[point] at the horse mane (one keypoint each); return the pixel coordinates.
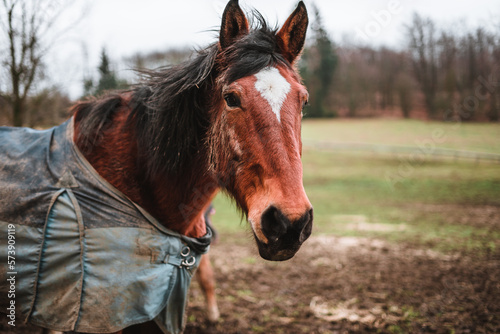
(170, 108)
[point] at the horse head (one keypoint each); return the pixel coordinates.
(255, 142)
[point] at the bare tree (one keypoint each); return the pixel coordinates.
(422, 46)
(390, 64)
(448, 76)
(25, 26)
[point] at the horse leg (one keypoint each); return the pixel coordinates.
(206, 279)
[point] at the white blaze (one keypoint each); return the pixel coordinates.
(273, 88)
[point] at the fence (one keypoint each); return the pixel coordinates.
(434, 152)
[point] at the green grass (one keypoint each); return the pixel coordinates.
(227, 219)
(426, 203)
(481, 137)
(352, 196)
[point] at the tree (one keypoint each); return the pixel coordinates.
(318, 68)
(156, 59)
(478, 64)
(107, 78)
(24, 25)
(422, 47)
(53, 101)
(405, 93)
(390, 65)
(447, 56)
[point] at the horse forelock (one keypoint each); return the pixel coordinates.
(252, 53)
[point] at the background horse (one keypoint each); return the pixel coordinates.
(229, 118)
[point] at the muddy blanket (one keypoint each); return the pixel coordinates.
(76, 253)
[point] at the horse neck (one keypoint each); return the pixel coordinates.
(176, 201)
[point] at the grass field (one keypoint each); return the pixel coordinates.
(400, 244)
(448, 205)
(480, 137)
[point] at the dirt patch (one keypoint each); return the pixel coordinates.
(351, 285)
(346, 285)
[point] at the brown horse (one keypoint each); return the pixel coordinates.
(229, 118)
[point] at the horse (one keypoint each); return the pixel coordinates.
(228, 119)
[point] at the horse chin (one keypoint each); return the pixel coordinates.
(273, 251)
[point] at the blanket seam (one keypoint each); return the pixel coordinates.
(81, 233)
(40, 251)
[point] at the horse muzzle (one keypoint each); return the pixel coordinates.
(284, 236)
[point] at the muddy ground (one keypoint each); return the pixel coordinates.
(347, 285)
(351, 285)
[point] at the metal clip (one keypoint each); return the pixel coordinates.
(185, 251)
(189, 261)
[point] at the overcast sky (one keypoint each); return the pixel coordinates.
(125, 27)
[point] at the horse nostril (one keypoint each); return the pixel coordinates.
(306, 228)
(274, 223)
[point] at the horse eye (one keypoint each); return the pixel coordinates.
(232, 100)
(305, 104)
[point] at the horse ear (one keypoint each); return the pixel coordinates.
(292, 35)
(234, 24)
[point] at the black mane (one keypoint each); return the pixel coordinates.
(169, 112)
(171, 107)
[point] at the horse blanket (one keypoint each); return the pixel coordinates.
(77, 254)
